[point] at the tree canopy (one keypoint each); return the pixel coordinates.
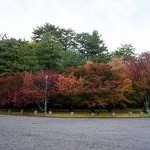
(79, 67)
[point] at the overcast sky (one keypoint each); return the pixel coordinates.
(118, 21)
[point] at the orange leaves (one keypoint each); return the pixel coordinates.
(101, 83)
(127, 86)
(119, 68)
(122, 75)
(70, 85)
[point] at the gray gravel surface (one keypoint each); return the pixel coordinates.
(35, 133)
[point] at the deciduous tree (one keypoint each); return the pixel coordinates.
(102, 85)
(140, 76)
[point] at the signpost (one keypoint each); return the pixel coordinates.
(45, 102)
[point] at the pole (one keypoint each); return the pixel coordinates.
(45, 102)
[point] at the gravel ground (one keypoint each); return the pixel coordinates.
(35, 133)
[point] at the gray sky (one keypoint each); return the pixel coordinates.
(118, 21)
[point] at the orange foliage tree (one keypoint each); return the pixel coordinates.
(70, 86)
(102, 85)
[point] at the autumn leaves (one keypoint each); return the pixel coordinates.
(118, 82)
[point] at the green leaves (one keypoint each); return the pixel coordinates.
(92, 47)
(126, 51)
(16, 56)
(48, 53)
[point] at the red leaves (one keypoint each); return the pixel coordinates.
(102, 84)
(25, 88)
(34, 85)
(140, 74)
(10, 88)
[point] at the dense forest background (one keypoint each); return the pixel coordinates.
(72, 70)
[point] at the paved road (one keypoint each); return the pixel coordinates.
(33, 133)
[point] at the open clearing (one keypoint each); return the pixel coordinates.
(37, 133)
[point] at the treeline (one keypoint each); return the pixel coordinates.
(80, 71)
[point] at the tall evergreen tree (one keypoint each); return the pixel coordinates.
(16, 56)
(93, 47)
(126, 51)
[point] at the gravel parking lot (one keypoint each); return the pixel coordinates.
(35, 133)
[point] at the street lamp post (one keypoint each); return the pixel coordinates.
(45, 102)
(146, 101)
